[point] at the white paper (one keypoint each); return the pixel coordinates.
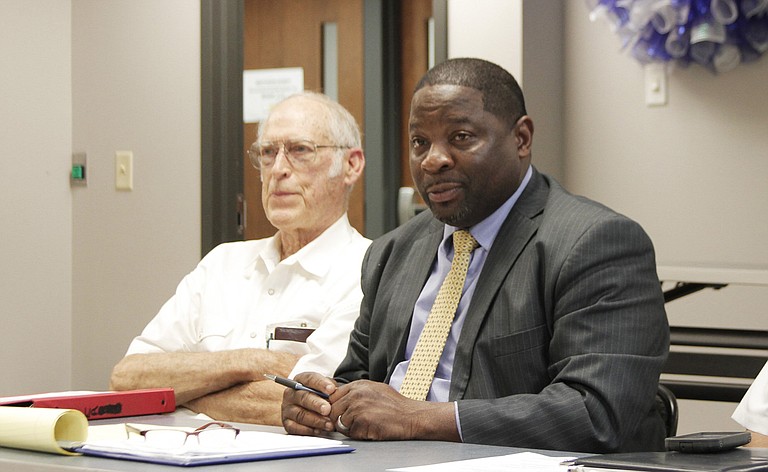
(520, 462)
(263, 88)
(114, 439)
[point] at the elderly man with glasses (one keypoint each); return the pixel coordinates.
(279, 305)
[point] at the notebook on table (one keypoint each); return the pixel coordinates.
(735, 460)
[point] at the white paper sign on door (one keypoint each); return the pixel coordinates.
(263, 88)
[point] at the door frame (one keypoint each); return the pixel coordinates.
(221, 123)
(221, 129)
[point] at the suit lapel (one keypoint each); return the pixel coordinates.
(514, 235)
(419, 257)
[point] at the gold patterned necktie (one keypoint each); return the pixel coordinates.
(429, 347)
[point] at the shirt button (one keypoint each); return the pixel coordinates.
(271, 291)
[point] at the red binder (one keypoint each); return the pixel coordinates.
(98, 405)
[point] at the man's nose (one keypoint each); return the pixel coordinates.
(437, 159)
(282, 163)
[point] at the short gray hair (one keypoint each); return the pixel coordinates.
(338, 123)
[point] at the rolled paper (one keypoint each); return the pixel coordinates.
(664, 18)
(42, 429)
(651, 49)
(683, 10)
(640, 13)
(756, 34)
(726, 58)
(702, 52)
(751, 8)
(677, 42)
(724, 11)
(706, 29)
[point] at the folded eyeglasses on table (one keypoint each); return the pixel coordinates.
(214, 433)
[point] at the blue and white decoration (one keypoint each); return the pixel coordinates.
(716, 34)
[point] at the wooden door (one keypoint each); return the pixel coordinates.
(288, 33)
(414, 62)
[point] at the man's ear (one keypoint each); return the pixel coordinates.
(524, 136)
(354, 165)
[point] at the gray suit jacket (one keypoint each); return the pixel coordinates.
(564, 338)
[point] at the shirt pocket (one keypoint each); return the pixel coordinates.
(214, 335)
(298, 348)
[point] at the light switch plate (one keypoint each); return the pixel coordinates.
(124, 170)
(655, 84)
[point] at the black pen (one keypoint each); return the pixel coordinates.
(295, 385)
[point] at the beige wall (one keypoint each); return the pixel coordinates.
(136, 86)
(35, 201)
(84, 269)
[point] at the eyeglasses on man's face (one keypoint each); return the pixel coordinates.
(212, 434)
(300, 153)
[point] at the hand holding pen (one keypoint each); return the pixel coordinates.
(295, 385)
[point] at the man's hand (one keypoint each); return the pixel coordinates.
(305, 413)
(375, 411)
(251, 402)
(365, 410)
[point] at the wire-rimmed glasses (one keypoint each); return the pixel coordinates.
(213, 434)
(300, 153)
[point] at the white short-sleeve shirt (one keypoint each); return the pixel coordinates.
(752, 412)
(241, 291)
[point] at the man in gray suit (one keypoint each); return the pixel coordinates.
(560, 334)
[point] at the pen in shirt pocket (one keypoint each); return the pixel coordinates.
(295, 385)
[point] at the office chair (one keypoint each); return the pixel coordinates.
(666, 403)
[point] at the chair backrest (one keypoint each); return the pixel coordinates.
(666, 403)
(407, 204)
(713, 364)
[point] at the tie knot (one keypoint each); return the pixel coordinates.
(463, 242)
